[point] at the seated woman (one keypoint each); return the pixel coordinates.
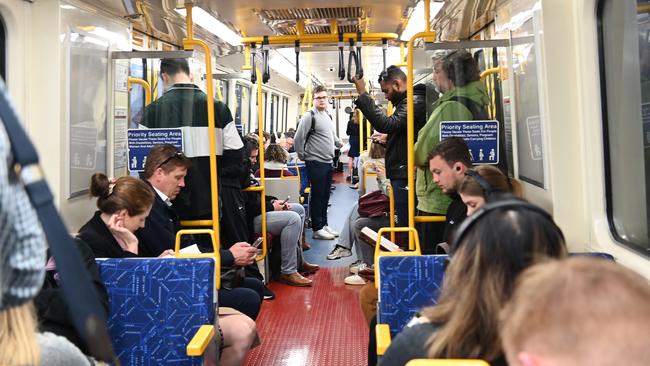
(123, 208)
(275, 162)
(482, 183)
(494, 247)
(370, 160)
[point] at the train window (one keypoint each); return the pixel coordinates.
(242, 104)
(285, 111)
(274, 112)
(266, 98)
(624, 50)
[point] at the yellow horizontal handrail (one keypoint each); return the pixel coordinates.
(215, 247)
(343, 96)
(200, 341)
(145, 85)
(433, 218)
(319, 38)
(379, 252)
(196, 223)
(488, 72)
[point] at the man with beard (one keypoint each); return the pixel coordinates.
(393, 85)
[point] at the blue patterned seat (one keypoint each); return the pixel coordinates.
(157, 305)
(406, 285)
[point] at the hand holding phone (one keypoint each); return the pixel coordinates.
(258, 242)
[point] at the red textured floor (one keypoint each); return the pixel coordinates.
(339, 177)
(317, 326)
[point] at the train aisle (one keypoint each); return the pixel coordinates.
(320, 325)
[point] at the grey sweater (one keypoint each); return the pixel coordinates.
(58, 351)
(320, 146)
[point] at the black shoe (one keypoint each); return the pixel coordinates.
(348, 178)
(332, 187)
(355, 180)
(268, 294)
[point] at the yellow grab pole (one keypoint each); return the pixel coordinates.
(260, 158)
(391, 206)
(410, 133)
(145, 85)
(427, 15)
(401, 62)
(215, 248)
(189, 43)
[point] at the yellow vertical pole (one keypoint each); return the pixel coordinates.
(145, 85)
(260, 157)
(189, 43)
(410, 133)
(427, 15)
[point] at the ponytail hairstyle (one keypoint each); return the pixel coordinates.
(492, 180)
(127, 192)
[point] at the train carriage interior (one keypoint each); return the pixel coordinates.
(366, 144)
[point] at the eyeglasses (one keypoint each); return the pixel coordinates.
(321, 98)
(177, 155)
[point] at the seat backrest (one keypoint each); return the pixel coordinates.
(283, 187)
(156, 307)
(406, 285)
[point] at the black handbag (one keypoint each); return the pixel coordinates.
(232, 277)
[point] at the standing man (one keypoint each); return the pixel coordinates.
(185, 105)
(393, 85)
(456, 75)
(315, 142)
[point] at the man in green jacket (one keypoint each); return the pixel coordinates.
(456, 75)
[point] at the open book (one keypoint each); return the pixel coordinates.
(370, 236)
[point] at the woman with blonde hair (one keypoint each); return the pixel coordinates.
(493, 247)
(275, 162)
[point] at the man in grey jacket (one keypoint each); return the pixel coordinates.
(315, 141)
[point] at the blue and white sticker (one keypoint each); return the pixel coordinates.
(142, 140)
(481, 137)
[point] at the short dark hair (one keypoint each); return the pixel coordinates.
(460, 67)
(166, 157)
(452, 150)
(318, 89)
(392, 73)
(172, 66)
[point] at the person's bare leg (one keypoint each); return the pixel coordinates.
(238, 336)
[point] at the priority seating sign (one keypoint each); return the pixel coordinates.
(481, 137)
(140, 141)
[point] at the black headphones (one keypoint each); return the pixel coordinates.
(482, 182)
(507, 203)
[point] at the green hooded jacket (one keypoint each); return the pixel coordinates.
(430, 196)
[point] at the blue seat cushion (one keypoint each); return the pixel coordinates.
(406, 285)
(156, 307)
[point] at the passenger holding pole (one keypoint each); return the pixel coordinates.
(393, 85)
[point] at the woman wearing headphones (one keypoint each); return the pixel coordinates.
(481, 182)
(494, 245)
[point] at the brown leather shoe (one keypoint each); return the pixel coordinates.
(309, 268)
(295, 279)
(305, 246)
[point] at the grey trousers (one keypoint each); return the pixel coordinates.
(351, 233)
(288, 225)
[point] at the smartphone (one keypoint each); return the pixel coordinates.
(258, 242)
(285, 200)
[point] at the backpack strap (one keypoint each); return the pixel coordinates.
(312, 129)
(84, 307)
(478, 110)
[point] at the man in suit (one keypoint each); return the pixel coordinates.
(165, 171)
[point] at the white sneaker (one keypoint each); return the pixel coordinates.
(354, 280)
(354, 267)
(330, 230)
(339, 252)
(323, 234)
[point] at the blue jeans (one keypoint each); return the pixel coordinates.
(320, 178)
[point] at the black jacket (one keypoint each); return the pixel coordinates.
(395, 127)
(95, 233)
(52, 308)
(159, 232)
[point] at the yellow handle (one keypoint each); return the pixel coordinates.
(200, 341)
